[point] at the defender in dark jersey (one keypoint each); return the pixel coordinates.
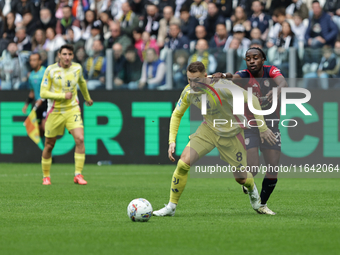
(262, 78)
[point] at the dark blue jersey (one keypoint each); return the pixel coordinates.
(261, 87)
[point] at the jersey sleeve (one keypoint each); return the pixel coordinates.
(82, 86)
(243, 73)
(274, 72)
(45, 87)
(182, 105)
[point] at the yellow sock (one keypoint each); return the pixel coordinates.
(179, 180)
(249, 184)
(46, 166)
(79, 160)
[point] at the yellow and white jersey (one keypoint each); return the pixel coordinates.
(215, 110)
(57, 81)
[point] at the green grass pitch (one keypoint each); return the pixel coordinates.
(213, 216)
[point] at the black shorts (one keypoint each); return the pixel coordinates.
(253, 139)
(41, 111)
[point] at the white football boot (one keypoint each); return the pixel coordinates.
(265, 210)
(165, 211)
(255, 199)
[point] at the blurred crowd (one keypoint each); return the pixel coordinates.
(141, 34)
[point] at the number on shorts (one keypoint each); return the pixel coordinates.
(77, 117)
(239, 156)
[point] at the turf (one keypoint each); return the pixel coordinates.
(213, 217)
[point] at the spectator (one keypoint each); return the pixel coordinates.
(28, 23)
(255, 33)
(80, 56)
(321, 29)
(202, 55)
(129, 20)
(137, 37)
(225, 7)
(22, 40)
(13, 69)
(147, 42)
(188, 22)
(9, 27)
(95, 35)
(105, 18)
(180, 69)
(53, 41)
(212, 20)
(67, 21)
(240, 18)
(279, 54)
(337, 53)
(117, 37)
(90, 18)
(153, 71)
(39, 40)
(298, 28)
(297, 6)
(138, 7)
(332, 7)
(280, 16)
(116, 9)
(176, 39)
(259, 19)
(220, 37)
(46, 19)
(200, 33)
(199, 9)
(23, 6)
(118, 65)
(74, 38)
(6, 7)
(275, 4)
(166, 3)
(239, 33)
(95, 67)
(51, 5)
(100, 6)
(151, 20)
(164, 24)
(133, 68)
(327, 68)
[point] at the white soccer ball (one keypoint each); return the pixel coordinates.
(139, 209)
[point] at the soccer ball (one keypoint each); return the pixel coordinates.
(139, 209)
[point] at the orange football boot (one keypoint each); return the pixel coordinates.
(79, 179)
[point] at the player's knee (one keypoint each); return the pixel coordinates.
(79, 140)
(186, 159)
(49, 146)
(241, 180)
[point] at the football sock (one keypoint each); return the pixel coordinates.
(249, 184)
(79, 160)
(179, 180)
(268, 185)
(46, 166)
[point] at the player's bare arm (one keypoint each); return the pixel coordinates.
(280, 81)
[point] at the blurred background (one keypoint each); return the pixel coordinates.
(128, 48)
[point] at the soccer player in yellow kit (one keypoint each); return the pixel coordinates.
(229, 139)
(59, 87)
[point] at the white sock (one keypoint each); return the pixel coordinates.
(172, 205)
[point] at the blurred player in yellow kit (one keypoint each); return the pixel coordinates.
(59, 87)
(229, 139)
